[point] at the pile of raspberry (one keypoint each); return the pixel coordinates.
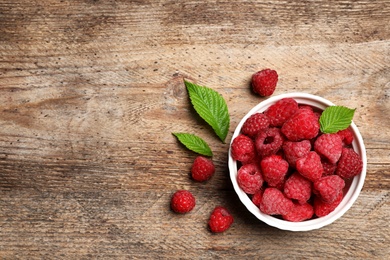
(288, 167)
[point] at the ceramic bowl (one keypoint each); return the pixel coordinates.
(352, 187)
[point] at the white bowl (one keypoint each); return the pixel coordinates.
(352, 188)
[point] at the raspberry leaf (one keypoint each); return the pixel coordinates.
(210, 106)
(194, 143)
(335, 118)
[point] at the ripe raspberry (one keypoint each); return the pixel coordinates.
(275, 203)
(299, 212)
(268, 142)
(274, 169)
(329, 187)
(255, 124)
(182, 201)
(282, 110)
(310, 166)
(350, 164)
(220, 219)
(243, 149)
(322, 208)
(257, 197)
(264, 82)
(295, 150)
(329, 168)
(249, 178)
(202, 169)
(346, 136)
(298, 188)
(302, 125)
(329, 146)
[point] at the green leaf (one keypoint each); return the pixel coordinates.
(210, 106)
(194, 143)
(336, 118)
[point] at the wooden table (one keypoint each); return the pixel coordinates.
(90, 92)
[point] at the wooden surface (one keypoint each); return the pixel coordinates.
(90, 92)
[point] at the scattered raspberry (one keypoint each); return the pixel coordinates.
(282, 110)
(255, 124)
(182, 201)
(243, 149)
(350, 164)
(274, 169)
(264, 82)
(249, 178)
(302, 125)
(257, 197)
(346, 136)
(295, 150)
(220, 220)
(202, 169)
(329, 187)
(310, 166)
(275, 203)
(298, 188)
(299, 212)
(329, 146)
(322, 208)
(268, 142)
(329, 168)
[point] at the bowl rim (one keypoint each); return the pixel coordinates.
(350, 196)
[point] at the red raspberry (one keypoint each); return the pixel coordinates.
(243, 149)
(329, 187)
(274, 169)
(298, 188)
(282, 110)
(329, 168)
(346, 135)
(322, 208)
(295, 150)
(350, 164)
(302, 125)
(275, 203)
(299, 212)
(268, 142)
(310, 166)
(257, 197)
(182, 201)
(264, 82)
(202, 169)
(255, 124)
(220, 219)
(329, 146)
(249, 178)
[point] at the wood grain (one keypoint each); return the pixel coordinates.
(91, 90)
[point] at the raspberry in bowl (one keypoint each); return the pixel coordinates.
(290, 174)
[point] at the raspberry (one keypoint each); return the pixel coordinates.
(255, 124)
(322, 208)
(268, 142)
(220, 219)
(275, 203)
(329, 146)
(302, 125)
(202, 169)
(329, 187)
(295, 150)
(350, 164)
(257, 197)
(298, 188)
(243, 149)
(329, 168)
(274, 169)
(264, 82)
(310, 166)
(299, 212)
(182, 201)
(346, 136)
(282, 110)
(249, 178)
